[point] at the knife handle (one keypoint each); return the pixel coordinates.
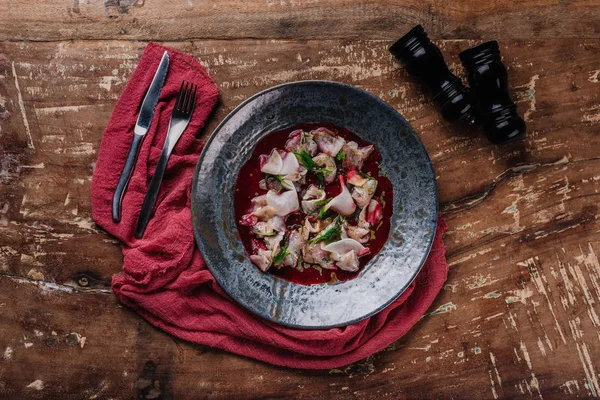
(152, 193)
(125, 176)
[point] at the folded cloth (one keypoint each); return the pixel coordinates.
(164, 277)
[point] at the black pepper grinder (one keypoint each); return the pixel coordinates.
(489, 82)
(425, 61)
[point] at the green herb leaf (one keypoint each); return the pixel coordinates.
(278, 259)
(340, 156)
(320, 203)
(322, 212)
(267, 234)
(279, 178)
(331, 234)
(306, 160)
(282, 181)
(366, 176)
(303, 136)
(321, 179)
(323, 171)
(318, 268)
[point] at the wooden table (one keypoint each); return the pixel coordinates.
(519, 316)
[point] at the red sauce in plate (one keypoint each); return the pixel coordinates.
(246, 188)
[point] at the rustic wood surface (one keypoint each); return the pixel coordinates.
(519, 315)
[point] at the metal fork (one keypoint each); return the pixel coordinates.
(180, 117)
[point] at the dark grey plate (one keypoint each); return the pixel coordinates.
(404, 159)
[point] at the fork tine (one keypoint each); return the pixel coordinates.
(179, 96)
(192, 100)
(188, 95)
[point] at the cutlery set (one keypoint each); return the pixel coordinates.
(180, 118)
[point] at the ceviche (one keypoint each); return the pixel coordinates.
(312, 204)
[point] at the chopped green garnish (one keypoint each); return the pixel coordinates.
(278, 259)
(282, 181)
(279, 178)
(318, 268)
(340, 156)
(322, 212)
(320, 203)
(306, 160)
(300, 263)
(366, 176)
(267, 234)
(303, 136)
(323, 171)
(321, 179)
(331, 234)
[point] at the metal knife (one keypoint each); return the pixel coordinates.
(141, 127)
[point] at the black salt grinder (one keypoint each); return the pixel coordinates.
(488, 81)
(424, 60)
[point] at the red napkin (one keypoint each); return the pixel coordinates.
(164, 277)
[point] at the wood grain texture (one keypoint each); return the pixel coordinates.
(295, 19)
(518, 317)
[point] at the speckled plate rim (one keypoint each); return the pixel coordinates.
(382, 103)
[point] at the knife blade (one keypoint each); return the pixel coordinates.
(141, 128)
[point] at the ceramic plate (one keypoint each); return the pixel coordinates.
(404, 160)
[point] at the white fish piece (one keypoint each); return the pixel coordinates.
(271, 227)
(296, 241)
(263, 229)
(265, 212)
(259, 211)
(279, 163)
(298, 176)
(271, 164)
(325, 161)
(300, 141)
(309, 228)
(345, 253)
(284, 203)
(295, 244)
(348, 262)
(262, 259)
(361, 235)
(344, 246)
(258, 201)
(311, 197)
(327, 141)
(354, 157)
(342, 203)
(362, 195)
(290, 164)
(314, 254)
(278, 224)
